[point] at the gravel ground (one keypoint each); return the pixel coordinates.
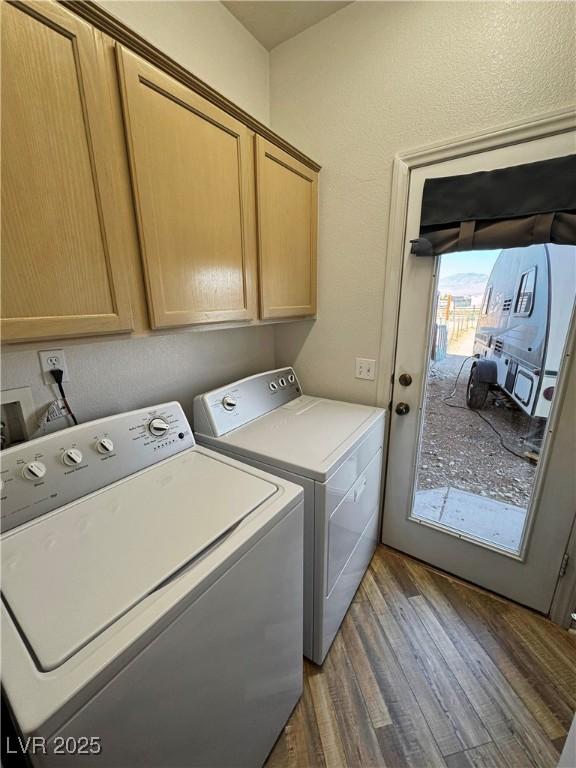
(460, 450)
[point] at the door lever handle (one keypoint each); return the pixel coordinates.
(402, 409)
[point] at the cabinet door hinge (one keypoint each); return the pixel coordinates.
(564, 564)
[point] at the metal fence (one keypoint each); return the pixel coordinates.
(453, 319)
(457, 318)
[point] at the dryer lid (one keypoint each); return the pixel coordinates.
(69, 575)
(308, 435)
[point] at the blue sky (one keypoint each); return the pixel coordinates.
(468, 261)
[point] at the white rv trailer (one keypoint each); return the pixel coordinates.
(523, 325)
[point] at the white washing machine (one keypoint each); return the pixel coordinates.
(151, 598)
(334, 451)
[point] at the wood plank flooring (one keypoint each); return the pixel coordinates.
(429, 671)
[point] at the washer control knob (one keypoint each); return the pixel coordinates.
(273, 386)
(291, 378)
(72, 456)
(282, 381)
(105, 445)
(35, 470)
(158, 427)
(229, 403)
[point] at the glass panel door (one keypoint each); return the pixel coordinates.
(480, 476)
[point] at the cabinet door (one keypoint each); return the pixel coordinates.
(287, 228)
(193, 182)
(62, 252)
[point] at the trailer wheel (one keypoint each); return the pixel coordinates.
(477, 391)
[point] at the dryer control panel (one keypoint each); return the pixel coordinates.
(227, 408)
(44, 474)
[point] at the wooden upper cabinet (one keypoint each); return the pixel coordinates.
(193, 182)
(62, 247)
(287, 194)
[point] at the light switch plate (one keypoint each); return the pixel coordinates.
(365, 368)
(51, 359)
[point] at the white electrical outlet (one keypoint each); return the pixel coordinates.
(50, 359)
(365, 368)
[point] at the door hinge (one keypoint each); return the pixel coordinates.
(564, 564)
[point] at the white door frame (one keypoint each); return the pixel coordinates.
(404, 163)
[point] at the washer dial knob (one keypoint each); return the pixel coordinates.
(229, 403)
(105, 445)
(71, 457)
(35, 470)
(158, 427)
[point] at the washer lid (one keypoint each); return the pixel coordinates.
(307, 435)
(69, 575)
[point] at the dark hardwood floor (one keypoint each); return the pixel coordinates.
(429, 671)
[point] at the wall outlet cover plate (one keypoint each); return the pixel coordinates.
(365, 368)
(51, 359)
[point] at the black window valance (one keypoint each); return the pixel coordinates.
(506, 208)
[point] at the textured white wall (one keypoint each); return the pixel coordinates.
(118, 375)
(206, 39)
(110, 376)
(377, 78)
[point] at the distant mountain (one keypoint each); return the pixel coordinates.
(463, 284)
